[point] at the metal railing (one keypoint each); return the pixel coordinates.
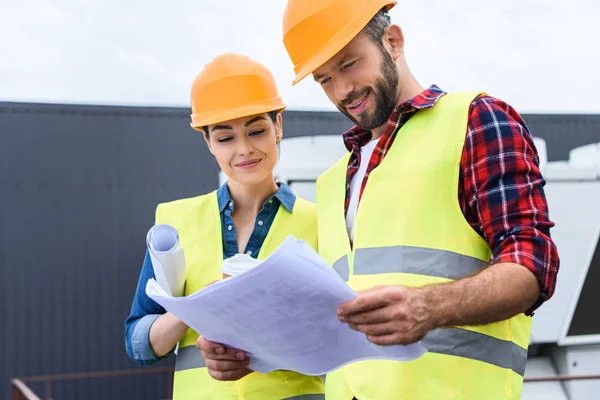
(561, 378)
(20, 390)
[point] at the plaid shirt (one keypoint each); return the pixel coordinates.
(500, 189)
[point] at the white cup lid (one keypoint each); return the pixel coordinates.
(238, 264)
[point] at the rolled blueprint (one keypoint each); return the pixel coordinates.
(168, 259)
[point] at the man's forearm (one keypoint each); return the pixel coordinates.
(495, 294)
(165, 332)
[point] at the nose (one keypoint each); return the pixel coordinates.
(342, 88)
(245, 147)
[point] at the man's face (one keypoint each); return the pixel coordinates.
(362, 81)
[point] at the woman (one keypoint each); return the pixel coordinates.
(235, 103)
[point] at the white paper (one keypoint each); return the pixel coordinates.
(168, 259)
(283, 314)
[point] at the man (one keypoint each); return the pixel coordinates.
(451, 245)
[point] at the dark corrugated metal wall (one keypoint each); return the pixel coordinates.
(78, 188)
(564, 132)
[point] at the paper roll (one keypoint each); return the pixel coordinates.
(168, 259)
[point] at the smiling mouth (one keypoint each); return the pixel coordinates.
(356, 105)
(248, 164)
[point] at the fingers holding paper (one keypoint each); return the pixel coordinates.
(217, 351)
(388, 315)
(228, 370)
(223, 363)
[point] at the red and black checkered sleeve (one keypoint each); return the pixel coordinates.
(501, 192)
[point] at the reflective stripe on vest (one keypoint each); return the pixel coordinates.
(410, 260)
(342, 268)
(442, 264)
(477, 346)
(189, 357)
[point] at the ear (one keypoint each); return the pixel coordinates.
(393, 40)
(207, 140)
(279, 127)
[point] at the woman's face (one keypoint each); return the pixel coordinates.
(246, 148)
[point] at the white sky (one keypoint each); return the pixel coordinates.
(540, 56)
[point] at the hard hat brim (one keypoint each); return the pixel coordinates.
(200, 120)
(340, 40)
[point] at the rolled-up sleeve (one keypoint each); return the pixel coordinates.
(503, 192)
(144, 311)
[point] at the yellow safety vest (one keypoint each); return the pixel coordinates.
(199, 225)
(410, 231)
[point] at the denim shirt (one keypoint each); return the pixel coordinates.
(144, 311)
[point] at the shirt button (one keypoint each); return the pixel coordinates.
(229, 227)
(260, 223)
(249, 252)
(270, 201)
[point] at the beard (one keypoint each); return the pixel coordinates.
(385, 92)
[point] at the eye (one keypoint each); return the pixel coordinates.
(254, 133)
(325, 81)
(224, 139)
(348, 65)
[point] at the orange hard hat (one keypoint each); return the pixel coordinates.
(316, 30)
(232, 86)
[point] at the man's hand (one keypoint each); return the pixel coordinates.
(223, 364)
(388, 315)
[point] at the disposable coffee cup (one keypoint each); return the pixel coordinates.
(238, 264)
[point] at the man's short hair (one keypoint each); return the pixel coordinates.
(377, 25)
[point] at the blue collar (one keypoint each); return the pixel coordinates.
(284, 196)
